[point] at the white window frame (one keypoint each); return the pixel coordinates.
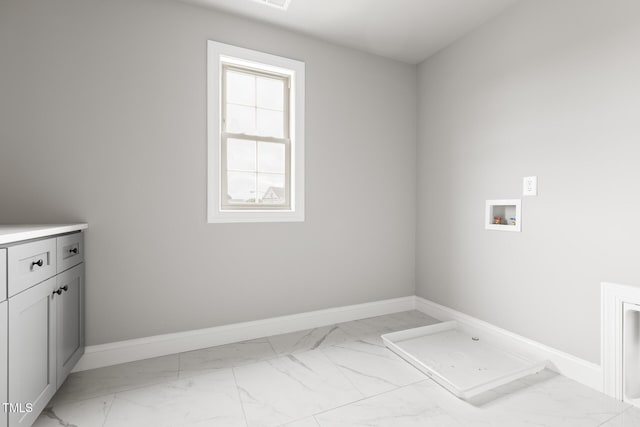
(285, 140)
(219, 54)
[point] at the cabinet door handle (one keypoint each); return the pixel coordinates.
(73, 251)
(65, 288)
(57, 291)
(39, 263)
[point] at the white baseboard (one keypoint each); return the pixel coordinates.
(98, 356)
(582, 371)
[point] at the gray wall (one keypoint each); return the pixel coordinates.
(550, 88)
(102, 119)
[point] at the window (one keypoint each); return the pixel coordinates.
(256, 136)
(255, 143)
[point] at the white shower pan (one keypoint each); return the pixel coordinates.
(463, 364)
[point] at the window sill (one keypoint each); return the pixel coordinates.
(255, 216)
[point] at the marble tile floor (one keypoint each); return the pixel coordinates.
(339, 375)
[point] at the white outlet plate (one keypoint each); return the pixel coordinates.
(530, 186)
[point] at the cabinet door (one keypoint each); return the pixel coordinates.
(3, 275)
(4, 324)
(32, 341)
(69, 322)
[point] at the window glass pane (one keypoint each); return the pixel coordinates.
(241, 119)
(271, 188)
(241, 155)
(241, 187)
(241, 88)
(270, 123)
(271, 157)
(270, 93)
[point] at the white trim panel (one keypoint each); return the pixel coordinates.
(613, 298)
(97, 356)
(585, 372)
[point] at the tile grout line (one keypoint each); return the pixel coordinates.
(179, 364)
(610, 419)
(341, 372)
(114, 392)
(271, 345)
(615, 416)
(235, 380)
(369, 397)
(106, 416)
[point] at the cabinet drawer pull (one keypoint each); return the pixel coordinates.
(57, 291)
(73, 251)
(65, 288)
(39, 263)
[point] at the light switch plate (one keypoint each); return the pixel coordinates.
(530, 186)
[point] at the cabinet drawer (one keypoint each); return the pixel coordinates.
(3, 275)
(70, 251)
(29, 264)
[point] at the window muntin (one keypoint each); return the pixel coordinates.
(255, 150)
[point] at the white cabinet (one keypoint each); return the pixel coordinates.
(32, 352)
(4, 324)
(41, 320)
(69, 320)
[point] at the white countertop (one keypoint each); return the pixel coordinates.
(15, 233)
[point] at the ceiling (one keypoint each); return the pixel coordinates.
(406, 30)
